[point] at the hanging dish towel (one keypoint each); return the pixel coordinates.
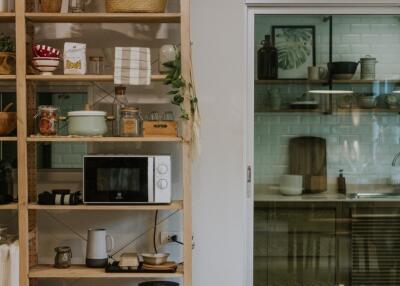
(132, 66)
(14, 264)
(4, 265)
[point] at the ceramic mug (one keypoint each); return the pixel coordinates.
(291, 185)
(317, 72)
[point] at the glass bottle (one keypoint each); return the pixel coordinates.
(267, 60)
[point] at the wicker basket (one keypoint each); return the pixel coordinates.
(135, 6)
(8, 122)
(50, 6)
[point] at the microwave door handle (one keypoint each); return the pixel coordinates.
(150, 180)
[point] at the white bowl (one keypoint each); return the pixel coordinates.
(155, 259)
(290, 191)
(46, 65)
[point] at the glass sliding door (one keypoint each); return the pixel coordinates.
(326, 144)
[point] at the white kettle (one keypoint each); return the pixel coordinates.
(99, 244)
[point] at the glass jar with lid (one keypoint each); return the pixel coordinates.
(48, 120)
(130, 122)
(96, 65)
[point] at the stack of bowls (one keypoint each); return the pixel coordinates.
(45, 59)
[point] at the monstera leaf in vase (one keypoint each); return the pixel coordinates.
(294, 47)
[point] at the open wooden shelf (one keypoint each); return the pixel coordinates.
(175, 205)
(13, 206)
(34, 138)
(81, 271)
(7, 76)
(104, 17)
(9, 138)
(82, 78)
(7, 17)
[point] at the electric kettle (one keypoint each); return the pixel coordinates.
(6, 183)
(99, 244)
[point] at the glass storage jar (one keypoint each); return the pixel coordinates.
(48, 120)
(63, 257)
(130, 122)
(96, 65)
(76, 6)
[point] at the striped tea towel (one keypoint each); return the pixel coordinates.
(132, 66)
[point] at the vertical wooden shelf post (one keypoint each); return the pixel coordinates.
(186, 146)
(23, 214)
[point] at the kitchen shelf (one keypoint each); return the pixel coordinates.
(104, 17)
(306, 81)
(13, 206)
(36, 138)
(7, 17)
(82, 78)
(2, 139)
(8, 76)
(176, 205)
(81, 271)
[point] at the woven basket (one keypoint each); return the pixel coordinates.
(135, 6)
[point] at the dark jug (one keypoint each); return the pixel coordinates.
(6, 183)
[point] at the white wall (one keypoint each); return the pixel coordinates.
(218, 35)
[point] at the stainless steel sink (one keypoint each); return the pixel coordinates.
(360, 196)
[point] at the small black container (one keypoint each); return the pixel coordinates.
(267, 60)
(342, 70)
(158, 283)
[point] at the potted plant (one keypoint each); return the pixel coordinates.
(7, 55)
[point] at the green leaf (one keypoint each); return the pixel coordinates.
(170, 64)
(173, 92)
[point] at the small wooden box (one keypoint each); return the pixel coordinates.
(160, 128)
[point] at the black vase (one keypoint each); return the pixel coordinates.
(267, 60)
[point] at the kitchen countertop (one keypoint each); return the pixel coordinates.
(262, 193)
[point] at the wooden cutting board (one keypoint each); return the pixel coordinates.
(307, 157)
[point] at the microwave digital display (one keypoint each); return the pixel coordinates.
(118, 179)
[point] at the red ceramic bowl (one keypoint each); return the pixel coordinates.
(44, 51)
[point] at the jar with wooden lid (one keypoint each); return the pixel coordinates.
(130, 122)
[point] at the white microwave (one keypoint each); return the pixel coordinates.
(126, 179)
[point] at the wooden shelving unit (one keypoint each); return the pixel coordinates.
(30, 270)
(176, 205)
(103, 17)
(81, 78)
(80, 271)
(63, 139)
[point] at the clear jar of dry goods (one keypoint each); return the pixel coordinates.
(130, 122)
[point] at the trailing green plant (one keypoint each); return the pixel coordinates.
(179, 87)
(6, 44)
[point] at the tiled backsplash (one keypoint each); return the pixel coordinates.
(363, 144)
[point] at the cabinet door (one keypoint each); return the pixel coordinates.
(294, 246)
(375, 243)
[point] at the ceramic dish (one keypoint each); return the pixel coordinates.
(155, 259)
(367, 102)
(87, 123)
(46, 65)
(44, 51)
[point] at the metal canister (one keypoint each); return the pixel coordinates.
(368, 65)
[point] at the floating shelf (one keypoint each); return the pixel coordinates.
(306, 81)
(83, 78)
(13, 206)
(7, 17)
(104, 17)
(80, 271)
(8, 139)
(176, 205)
(101, 139)
(8, 76)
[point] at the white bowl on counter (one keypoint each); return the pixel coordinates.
(155, 259)
(367, 102)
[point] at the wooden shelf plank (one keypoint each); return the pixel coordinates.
(13, 206)
(8, 76)
(7, 17)
(70, 78)
(80, 271)
(176, 205)
(9, 138)
(101, 139)
(104, 17)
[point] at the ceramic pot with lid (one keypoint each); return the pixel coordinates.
(63, 257)
(87, 123)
